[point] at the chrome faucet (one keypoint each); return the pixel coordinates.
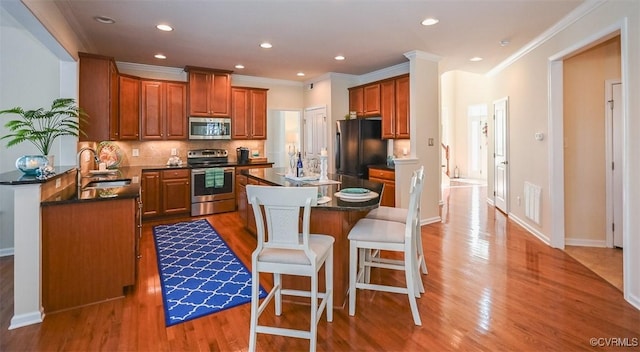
(95, 158)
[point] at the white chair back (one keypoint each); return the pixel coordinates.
(281, 207)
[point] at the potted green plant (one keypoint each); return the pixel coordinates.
(41, 127)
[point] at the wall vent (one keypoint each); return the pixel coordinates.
(532, 197)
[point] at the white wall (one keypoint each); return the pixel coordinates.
(30, 78)
(526, 83)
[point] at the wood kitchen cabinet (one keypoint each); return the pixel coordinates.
(88, 252)
(388, 177)
(129, 106)
(209, 92)
(163, 110)
(394, 101)
(98, 97)
(248, 113)
(365, 100)
(166, 193)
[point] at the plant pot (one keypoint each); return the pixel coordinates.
(29, 164)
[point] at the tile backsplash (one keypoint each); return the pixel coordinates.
(152, 153)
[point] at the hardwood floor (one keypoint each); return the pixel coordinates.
(606, 262)
(491, 286)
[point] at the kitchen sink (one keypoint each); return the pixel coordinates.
(108, 183)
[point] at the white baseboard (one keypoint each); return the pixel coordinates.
(634, 300)
(21, 320)
(430, 221)
(6, 252)
(542, 237)
(490, 201)
(585, 243)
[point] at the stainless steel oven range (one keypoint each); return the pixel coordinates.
(212, 182)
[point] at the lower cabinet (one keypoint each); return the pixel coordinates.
(88, 252)
(245, 210)
(388, 177)
(166, 193)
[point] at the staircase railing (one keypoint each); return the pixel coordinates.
(446, 157)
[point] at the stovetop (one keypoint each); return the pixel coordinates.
(206, 157)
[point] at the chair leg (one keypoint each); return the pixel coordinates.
(353, 273)
(409, 262)
(328, 283)
(255, 301)
(423, 263)
(277, 282)
(314, 313)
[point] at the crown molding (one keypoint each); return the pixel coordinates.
(578, 13)
(418, 54)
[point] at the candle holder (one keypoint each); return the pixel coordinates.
(292, 161)
(323, 168)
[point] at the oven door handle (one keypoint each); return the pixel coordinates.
(202, 171)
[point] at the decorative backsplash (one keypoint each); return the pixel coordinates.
(152, 153)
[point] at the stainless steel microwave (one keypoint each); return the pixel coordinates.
(209, 128)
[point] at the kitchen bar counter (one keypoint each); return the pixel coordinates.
(275, 176)
(335, 218)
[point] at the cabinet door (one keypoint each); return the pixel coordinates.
(388, 194)
(356, 101)
(199, 93)
(129, 108)
(152, 110)
(372, 100)
(150, 184)
(175, 196)
(114, 102)
(241, 198)
(387, 108)
(402, 107)
(176, 110)
(220, 98)
(258, 113)
(239, 113)
(94, 98)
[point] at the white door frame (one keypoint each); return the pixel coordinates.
(501, 156)
(613, 159)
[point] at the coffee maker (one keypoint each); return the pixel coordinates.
(242, 155)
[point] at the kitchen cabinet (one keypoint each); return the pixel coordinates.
(209, 92)
(129, 108)
(395, 107)
(98, 97)
(88, 252)
(166, 193)
(245, 210)
(388, 178)
(365, 100)
(163, 110)
(248, 113)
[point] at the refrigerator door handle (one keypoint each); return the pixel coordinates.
(338, 150)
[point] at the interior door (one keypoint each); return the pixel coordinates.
(500, 155)
(615, 142)
(315, 137)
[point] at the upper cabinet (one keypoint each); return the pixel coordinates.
(129, 124)
(209, 92)
(388, 99)
(248, 113)
(98, 97)
(163, 110)
(395, 107)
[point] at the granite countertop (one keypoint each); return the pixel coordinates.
(275, 177)
(17, 177)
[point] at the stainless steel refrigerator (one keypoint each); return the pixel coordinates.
(358, 144)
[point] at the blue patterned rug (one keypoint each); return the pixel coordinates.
(199, 274)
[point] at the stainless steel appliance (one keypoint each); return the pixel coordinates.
(215, 198)
(209, 128)
(359, 143)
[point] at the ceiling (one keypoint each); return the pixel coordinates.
(308, 34)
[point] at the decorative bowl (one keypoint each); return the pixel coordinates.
(29, 164)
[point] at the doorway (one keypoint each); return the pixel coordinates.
(501, 154)
(477, 139)
(283, 131)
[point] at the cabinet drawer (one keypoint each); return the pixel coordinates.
(382, 174)
(169, 174)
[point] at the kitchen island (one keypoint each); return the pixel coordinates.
(335, 218)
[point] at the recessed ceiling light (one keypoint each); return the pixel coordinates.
(430, 21)
(164, 27)
(300, 74)
(160, 56)
(504, 42)
(105, 19)
(339, 57)
(475, 59)
(266, 45)
(239, 66)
